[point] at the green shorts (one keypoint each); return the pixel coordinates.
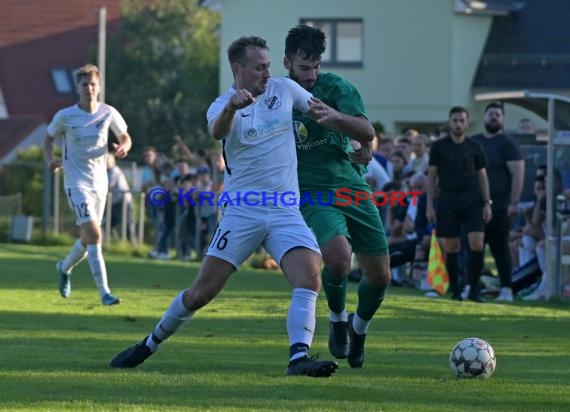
(361, 225)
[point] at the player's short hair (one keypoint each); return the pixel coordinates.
(85, 71)
(308, 41)
(237, 50)
(458, 109)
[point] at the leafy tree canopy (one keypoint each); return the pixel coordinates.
(162, 71)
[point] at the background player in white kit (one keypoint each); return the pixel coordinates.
(253, 121)
(83, 129)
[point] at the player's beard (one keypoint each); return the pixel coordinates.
(492, 128)
(304, 84)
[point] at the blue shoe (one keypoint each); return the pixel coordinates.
(110, 299)
(64, 281)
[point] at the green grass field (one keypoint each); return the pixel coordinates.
(54, 353)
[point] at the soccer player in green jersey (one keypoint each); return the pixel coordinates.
(325, 165)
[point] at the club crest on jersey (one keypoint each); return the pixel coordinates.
(273, 103)
(300, 131)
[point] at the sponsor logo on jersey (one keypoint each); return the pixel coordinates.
(300, 131)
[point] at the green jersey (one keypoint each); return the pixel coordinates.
(323, 163)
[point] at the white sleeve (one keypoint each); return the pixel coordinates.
(118, 124)
(57, 126)
(300, 96)
(215, 110)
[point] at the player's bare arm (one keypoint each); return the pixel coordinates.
(122, 149)
(432, 183)
(53, 164)
(357, 127)
(516, 168)
(223, 124)
(484, 187)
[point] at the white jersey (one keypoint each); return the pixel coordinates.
(260, 151)
(84, 149)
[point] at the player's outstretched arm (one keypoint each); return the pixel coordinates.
(356, 127)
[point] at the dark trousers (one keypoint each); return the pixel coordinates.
(497, 237)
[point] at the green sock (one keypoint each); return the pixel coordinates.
(335, 289)
(369, 299)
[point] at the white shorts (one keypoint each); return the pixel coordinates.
(242, 229)
(87, 205)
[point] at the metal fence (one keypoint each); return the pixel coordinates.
(29, 189)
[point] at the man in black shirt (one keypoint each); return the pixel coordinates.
(505, 167)
(457, 171)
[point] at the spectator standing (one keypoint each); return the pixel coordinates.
(121, 199)
(505, 169)
(169, 177)
(399, 166)
(150, 178)
(526, 126)
(386, 147)
(420, 148)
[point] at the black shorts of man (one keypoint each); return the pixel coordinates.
(457, 173)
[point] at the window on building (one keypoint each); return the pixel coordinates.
(344, 40)
(62, 81)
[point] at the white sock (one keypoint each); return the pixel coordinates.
(175, 316)
(359, 325)
(76, 255)
(98, 269)
(338, 317)
(301, 317)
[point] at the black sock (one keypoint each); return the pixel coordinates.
(297, 348)
(452, 266)
(475, 260)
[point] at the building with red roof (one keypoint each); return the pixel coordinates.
(41, 43)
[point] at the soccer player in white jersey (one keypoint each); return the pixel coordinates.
(83, 129)
(253, 122)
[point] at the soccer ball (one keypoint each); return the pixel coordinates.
(472, 358)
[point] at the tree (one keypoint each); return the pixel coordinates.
(162, 71)
(25, 176)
